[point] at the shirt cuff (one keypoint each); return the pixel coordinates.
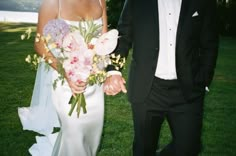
(113, 72)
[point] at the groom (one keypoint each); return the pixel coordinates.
(175, 44)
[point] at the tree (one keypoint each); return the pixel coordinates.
(114, 8)
(227, 14)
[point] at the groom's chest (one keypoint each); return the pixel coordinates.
(149, 11)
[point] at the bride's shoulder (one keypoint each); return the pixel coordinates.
(49, 7)
(51, 2)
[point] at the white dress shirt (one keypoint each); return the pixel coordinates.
(169, 11)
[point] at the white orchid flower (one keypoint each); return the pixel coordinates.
(106, 43)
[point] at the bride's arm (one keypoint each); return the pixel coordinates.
(48, 11)
(104, 16)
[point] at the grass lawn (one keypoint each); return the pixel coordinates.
(16, 84)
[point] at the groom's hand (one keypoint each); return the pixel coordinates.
(114, 84)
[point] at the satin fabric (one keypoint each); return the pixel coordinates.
(49, 108)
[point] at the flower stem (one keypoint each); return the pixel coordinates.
(73, 102)
(79, 101)
(83, 104)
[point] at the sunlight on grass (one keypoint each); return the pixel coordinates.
(15, 27)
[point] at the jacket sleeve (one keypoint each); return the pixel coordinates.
(209, 41)
(125, 33)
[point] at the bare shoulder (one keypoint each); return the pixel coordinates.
(103, 2)
(49, 8)
(48, 11)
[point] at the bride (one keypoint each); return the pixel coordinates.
(49, 108)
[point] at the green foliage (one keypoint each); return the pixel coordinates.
(17, 81)
(114, 8)
(227, 13)
(88, 30)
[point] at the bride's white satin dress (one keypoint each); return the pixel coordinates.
(49, 108)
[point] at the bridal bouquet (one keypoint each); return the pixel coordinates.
(82, 54)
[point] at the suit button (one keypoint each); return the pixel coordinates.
(156, 49)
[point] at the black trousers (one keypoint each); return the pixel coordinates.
(166, 101)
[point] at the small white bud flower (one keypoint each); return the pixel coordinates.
(50, 61)
(28, 59)
(22, 37)
(36, 39)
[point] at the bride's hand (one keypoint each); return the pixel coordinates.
(76, 88)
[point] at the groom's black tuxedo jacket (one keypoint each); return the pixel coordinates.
(196, 45)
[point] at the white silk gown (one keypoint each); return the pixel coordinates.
(49, 108)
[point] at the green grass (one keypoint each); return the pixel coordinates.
(16, 84)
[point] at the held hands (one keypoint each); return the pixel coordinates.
(114, 84)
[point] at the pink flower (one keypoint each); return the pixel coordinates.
(106, 43)
(88, 57)
(74, 60)
(74, 42)
(78, 65)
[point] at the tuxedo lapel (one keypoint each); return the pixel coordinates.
(155, 10)
(183, 14)
(156, 17)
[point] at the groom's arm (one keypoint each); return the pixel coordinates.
(209, 41)
(125, 32)
(115, 83)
